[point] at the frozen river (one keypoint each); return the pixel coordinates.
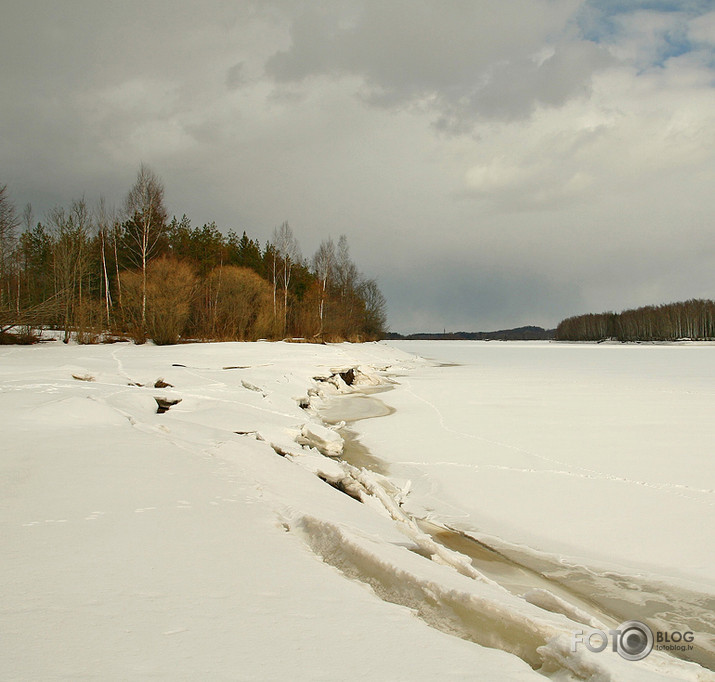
(592, 464)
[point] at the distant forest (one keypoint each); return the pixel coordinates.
(91, 271)
(692, 319)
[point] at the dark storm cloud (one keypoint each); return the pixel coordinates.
(451, 58)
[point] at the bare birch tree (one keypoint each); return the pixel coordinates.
(105, 224)
(146, 222)
(347, 278)
(346, 274)
(323, 267)
(287, 254)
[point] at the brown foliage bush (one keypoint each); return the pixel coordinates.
(170, 289)
(236, 304)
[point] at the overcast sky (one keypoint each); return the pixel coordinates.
(493, 163)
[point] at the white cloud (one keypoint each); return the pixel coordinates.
(702, 29)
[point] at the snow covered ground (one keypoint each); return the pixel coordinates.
(216, 541)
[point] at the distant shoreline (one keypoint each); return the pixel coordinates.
(529, 333)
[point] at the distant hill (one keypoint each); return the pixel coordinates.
(528, 333)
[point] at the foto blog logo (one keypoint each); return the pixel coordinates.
(632, 640)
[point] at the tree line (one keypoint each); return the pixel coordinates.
(693, 319)
(91, 271)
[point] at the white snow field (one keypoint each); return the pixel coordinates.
(217, 541)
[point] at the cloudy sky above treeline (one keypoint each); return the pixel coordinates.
(493, 163)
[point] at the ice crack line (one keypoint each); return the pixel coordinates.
(676, 489)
